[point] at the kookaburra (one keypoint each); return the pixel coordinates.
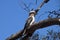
(30, 20)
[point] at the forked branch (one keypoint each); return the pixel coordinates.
(34, 27)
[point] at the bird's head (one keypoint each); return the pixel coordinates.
(32, 13)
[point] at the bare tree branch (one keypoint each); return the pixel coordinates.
(34, 27)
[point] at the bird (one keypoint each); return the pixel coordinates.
(29, 21)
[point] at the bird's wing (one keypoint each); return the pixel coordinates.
(28, 22)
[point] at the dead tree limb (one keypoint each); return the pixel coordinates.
(34, 27)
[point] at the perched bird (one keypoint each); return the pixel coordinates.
(29, 21)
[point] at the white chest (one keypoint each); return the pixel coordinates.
(32, 20)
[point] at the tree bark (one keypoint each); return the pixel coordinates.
(34, 27)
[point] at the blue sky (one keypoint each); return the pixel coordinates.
(13, 17)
